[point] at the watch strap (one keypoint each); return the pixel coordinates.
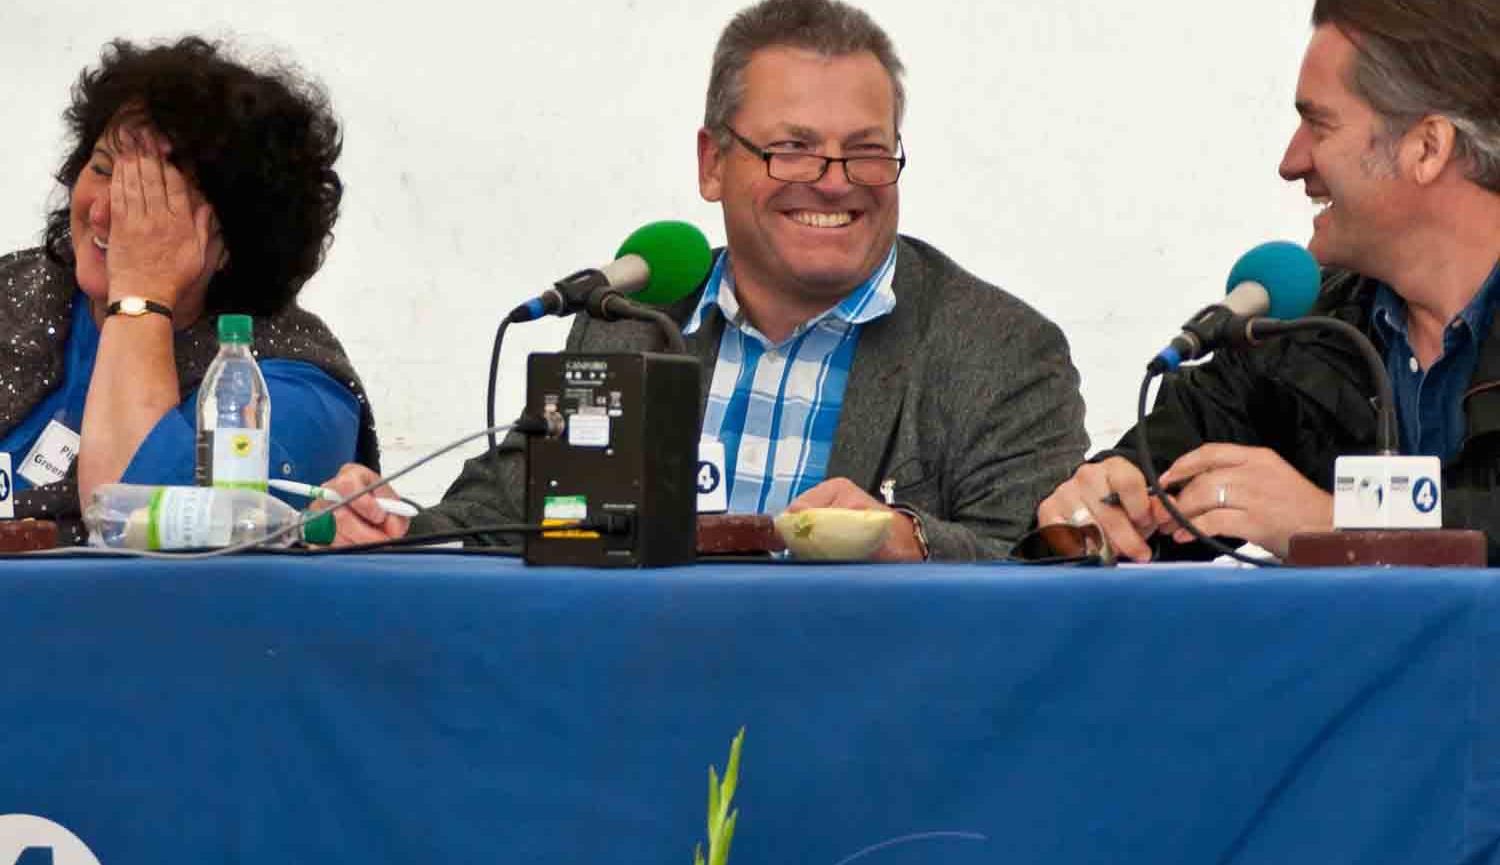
(137, 306)
(919, 531)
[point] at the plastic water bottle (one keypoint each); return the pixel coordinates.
(234, 414)
(146, 517)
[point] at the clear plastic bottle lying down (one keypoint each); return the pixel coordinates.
(144, 517)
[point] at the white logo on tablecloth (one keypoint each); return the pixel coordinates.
(29, 840)
(7, 504)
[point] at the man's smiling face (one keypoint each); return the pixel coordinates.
(1346, 160)
(814, 242)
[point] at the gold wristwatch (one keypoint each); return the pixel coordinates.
(135, 307)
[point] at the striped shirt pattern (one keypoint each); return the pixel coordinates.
(775, 407)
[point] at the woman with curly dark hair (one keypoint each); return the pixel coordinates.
(196, 186)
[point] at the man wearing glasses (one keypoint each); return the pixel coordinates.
(851, 359)
(850, 368)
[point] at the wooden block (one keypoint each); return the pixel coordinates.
(727, 534)
(1419, 547)
(19, 536)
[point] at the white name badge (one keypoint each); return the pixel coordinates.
(713, 492)
(51, 457)
(7, 490)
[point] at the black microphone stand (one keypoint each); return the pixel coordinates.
(1237, 332)
(1387, 434)
(608, 304)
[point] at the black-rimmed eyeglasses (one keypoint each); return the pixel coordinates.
(810, 167)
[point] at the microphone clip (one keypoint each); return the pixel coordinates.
(576, 290)
(1215, 326)
(566, 296)
(606, 304)
(1211, 327)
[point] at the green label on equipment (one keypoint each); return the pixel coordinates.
(565, 508)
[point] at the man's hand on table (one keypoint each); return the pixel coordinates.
(1244, 492)
(1226, 490)
(1082, 499)
(900, 542)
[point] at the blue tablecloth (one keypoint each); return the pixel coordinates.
(443, 708)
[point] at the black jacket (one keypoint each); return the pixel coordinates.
(1309, 398)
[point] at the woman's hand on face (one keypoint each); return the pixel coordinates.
(164, 239)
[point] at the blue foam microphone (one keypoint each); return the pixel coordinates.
(1278, 280)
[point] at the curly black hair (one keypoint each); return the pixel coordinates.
(260, 145)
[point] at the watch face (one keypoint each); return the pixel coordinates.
(133, 306)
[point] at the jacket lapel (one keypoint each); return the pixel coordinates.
(878, 379)
(1482, 399)
(704, 344)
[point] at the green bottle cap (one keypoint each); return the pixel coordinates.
(320, 530)
(235, 329)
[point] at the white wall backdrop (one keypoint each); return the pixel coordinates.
(1105, 162)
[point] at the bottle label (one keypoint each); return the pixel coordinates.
(241, 460)
(187, 518)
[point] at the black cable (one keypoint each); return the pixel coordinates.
(1153, 485)
(669, 327)
(617, 306)
(1257, 330)
(494, 384)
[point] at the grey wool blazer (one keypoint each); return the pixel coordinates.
(963, 396)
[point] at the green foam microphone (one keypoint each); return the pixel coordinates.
(658, 264)
(676, 259)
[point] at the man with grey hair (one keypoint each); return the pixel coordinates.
(1399, 149)
(845, 366)
(848, 358)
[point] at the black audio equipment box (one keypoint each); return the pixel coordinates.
(627, 457)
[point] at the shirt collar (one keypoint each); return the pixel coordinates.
(870, 300)
(1389, 312)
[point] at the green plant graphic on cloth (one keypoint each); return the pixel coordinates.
(720, 819)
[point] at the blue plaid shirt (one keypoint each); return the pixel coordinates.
(776, 406)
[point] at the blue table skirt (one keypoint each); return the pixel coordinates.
(445, 708)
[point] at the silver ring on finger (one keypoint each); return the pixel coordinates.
(1081, 517)
(1223, 495)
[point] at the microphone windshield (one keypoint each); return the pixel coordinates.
(677, 255)
(1288, 273)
